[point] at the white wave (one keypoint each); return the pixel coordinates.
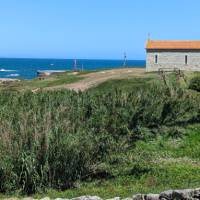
(12, 75)
(52, 64)
(7, 70)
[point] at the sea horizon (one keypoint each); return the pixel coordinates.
(26, 68)
(51, 58)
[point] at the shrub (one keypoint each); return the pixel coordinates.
(195, 83)
(53, 139)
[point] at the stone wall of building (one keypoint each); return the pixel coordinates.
(173, 59)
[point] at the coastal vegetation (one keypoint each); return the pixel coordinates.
(195, 83)
(50, 81)
(116, 139)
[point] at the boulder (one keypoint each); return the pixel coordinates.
(183, 194)
(196, 193)
(28, 198)
(166, 195)
(45, 198)
(151, 197)
(138, 197)
(61, 199)
(127, 199)
(87, 198)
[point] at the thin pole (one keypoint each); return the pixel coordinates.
(125, 60)
(75, 65)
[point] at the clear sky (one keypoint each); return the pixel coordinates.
(93, 28)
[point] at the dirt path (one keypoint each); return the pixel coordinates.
(93, 79)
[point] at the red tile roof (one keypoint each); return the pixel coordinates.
(173, 44)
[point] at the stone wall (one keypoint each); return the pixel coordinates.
(187, 194)
(173, 59)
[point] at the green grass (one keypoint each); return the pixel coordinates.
(127, 186)
(137, 135)
(51, 81)
(123, 84)
(172, 164)
(36, 83)
(165, 163)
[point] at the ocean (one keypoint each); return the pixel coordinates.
(27, 68)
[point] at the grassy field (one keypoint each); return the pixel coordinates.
(77, 81)
(122, 137)
(51, 81)
(125, 85)
(163, 163)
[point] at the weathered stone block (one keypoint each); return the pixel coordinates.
(166, 195)
(138, 197)
(87, 198)
(151, 197)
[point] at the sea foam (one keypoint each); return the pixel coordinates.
(7, 70)
(12, 75)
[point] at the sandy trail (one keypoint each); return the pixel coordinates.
(93, 79)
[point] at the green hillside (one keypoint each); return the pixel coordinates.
(119, 138)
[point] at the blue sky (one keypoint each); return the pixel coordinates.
(92, 28)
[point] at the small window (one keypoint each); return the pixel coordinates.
(186, 60)
(156, 59)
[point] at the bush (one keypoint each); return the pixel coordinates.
(53, 139)
(195, 83)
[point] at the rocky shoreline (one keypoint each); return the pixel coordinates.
(187, 194)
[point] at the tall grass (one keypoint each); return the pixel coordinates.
(53, 139)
